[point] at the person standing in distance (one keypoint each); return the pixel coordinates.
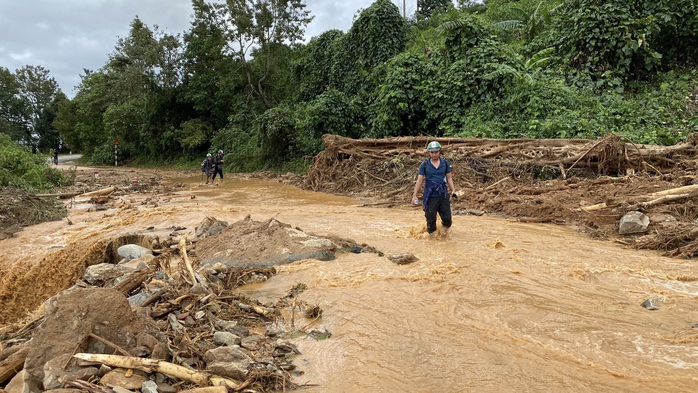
(207, 166)
(218, 165)
(437, 172)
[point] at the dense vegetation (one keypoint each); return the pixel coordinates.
(240, 79)
(19, 168)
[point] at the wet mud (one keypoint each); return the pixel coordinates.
(495, 304)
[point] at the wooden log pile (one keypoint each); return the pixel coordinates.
(354, 164)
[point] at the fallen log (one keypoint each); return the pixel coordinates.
(672, 191)
(13, 363)
(649, 200)
(210, 389)
(63, 195)
(664, 199)
(160, 366)
(103, 191)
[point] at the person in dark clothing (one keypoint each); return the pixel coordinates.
(207, 166)
(218, 165)
(55, 156)
(436, 173)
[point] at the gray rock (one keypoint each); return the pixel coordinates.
(228, 361)
(138, 263)
(147, 340)
(118, 377)
(633, 222)
(56, 372)
(228, 258)
(103, 272)
(210, 227)
(235, 370)
(149, 387)
(132, 251)
(226, 338)
(160, 351)
(253, 342)
(403, 259)
(652, 303)
(137, 299)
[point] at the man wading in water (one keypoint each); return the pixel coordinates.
(437, 171)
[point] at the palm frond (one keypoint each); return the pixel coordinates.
(507, 25)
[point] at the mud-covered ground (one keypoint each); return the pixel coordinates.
(111, 207)
(586, 184)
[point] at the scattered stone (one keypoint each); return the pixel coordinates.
(403, 259)
(226, 338)
(652, 303)
(133, 251)
(228, 361)
(56, 372)
(633, 222)
(137, 263)
(118, 377)
(252, 343)
(104, 272)
(210, 227)
(147, 340)
(149, 387)
(16, 384)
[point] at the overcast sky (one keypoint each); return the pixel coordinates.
(67, 36)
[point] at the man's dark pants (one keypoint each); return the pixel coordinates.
(441, 205)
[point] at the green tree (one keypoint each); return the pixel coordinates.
(378, 34)
(258, 27)
(12, 110)
(427, 7)
(36, 91)
(211, 78)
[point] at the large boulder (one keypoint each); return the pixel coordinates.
(634, 222)
(133, 251)
(70, 319)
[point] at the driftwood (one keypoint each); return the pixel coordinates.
(384, 165)
(649, 200)
(210, 389)
(14, 362)
(185, 257)
(571, 153)
(160, 366)
(64, 195)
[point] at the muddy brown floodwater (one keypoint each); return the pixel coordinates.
(497, 305)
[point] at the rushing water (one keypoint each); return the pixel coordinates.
(497, 306)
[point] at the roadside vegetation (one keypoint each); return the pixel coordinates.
(241, 79)
(21, 169)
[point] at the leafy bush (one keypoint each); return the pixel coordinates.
(277, 131)
(332, 112)
(22, 169)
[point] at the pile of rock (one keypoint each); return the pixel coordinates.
(154, 322)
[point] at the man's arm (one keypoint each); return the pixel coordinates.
(417, 186)
(449, 180)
